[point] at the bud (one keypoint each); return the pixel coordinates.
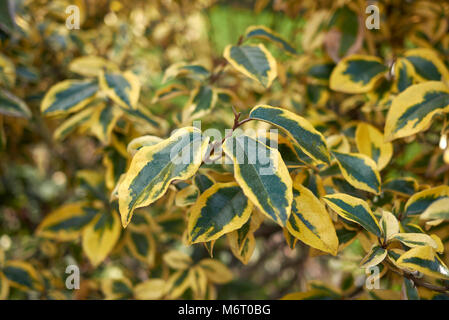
(443, 142)
(446, 156)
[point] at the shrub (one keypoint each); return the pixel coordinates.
(211, 149)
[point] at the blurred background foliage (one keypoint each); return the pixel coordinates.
(38, 175)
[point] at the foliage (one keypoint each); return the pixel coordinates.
(109, 161)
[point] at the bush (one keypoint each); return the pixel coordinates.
(180, 149)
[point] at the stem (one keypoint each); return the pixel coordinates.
(416, 281)
(237, 124)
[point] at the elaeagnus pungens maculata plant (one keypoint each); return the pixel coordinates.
(187, 149)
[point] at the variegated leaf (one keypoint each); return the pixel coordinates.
(359, 170)
(154, 167)
(357, 74)
(413, 109)
(221, 209)
(122, 88)
(374, 257)
(268, 34)
(370, 142)
(11, 105)
(68, 96)
(262, 175)
(67, 222)
(22, 275)
(299, 129)
(355, 210)
(254, 61)
(100, 237)
(425, 260)
(420, 201)
(427, 64)
(310, 222)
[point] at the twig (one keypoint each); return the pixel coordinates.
(418, 282)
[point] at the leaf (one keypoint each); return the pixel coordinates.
(317, 94)
(201, 102)
(254, 61)
(140, 142)
(22, 275)
(216, 271)
(424, 260)
(91, 66)
(338, 142)
(357, 74)
(439, 209)
(409, 291)
(182, 69)
(7, 71)
(404, 74)
(289, 238)
(374, 257)
(427, 64)
(103, 121)
(346, 33)
(405, 187)
(416, 239)
(177, 260)
(355, 210)
(4, 287)
(116, 289)
(187, 196)
(68, 96)
(142, 245)
(203, 181)
(72, 123)
(311, 181)
(199, 283)
(178, 283)
(153, 168)
(245, 251)
(169, 92)
(242, 241)
(100, 237)
(345, 237)
(143, 120)
(310, 222)
(122, 88)
(221, 209)
(413, 109)
(263, 32)
(300, 130)
(321, 71)
(359, 170)
(389, 225)
(262, 175)
(420, 201)
(114, 162)
(67, 222)
(11, 105)
(370, 142)
(394, 254)
(151, 289)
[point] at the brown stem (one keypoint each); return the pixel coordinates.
(237, 124)
(418, 282)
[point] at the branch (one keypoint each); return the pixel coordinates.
(418, 282)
